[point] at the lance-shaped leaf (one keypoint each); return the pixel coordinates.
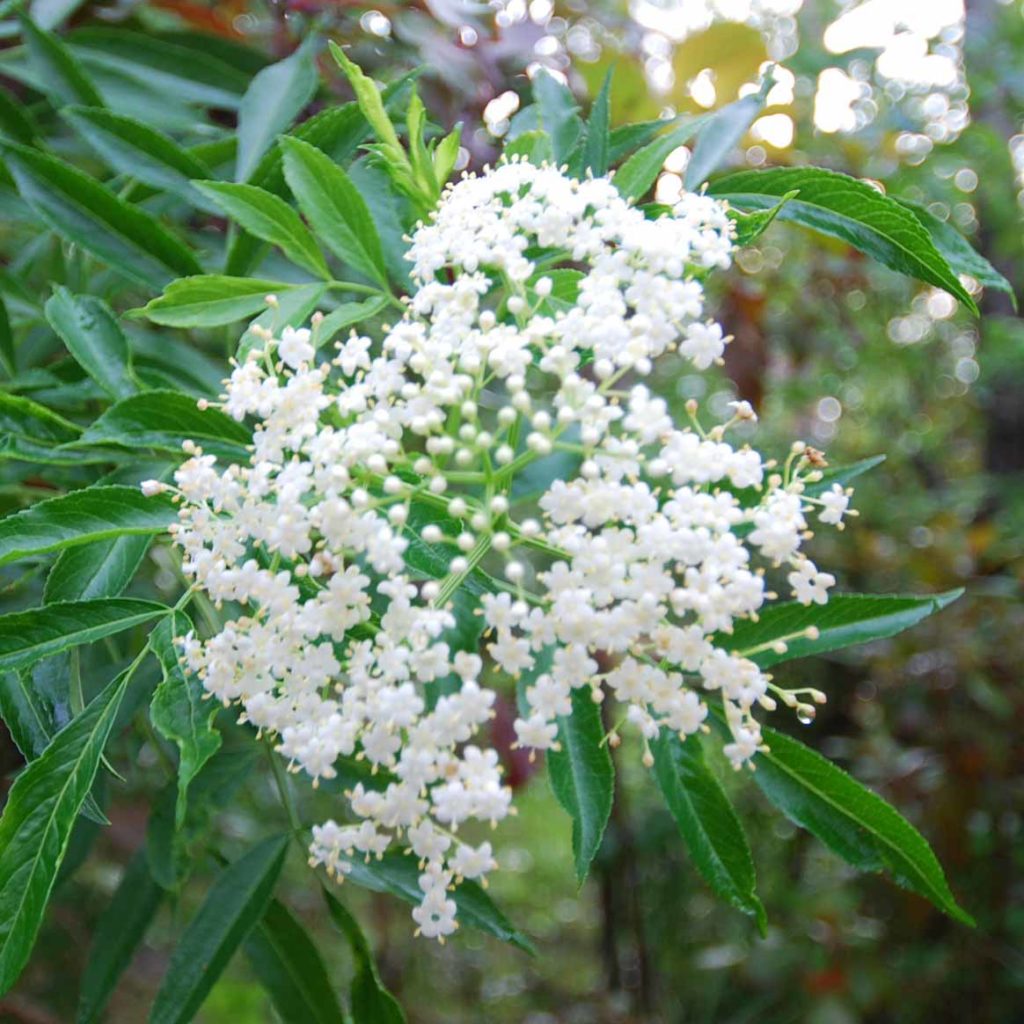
(59, 70)
(93, 513)
(846, 620)
(958, 252)
(101, 568)
(334, 208)
(88, 327)
(235, 904)
(88, 213)
(163, 420)
(210, 300)
(370, 1000)
(597, 146)
(140, 151)
(637, 174)
(294, 309)
(583, 777)
(32, 432)
(851, 820)
(118, 933)
(851, 210)
(399, 875)
(268, 217)
(274, 99)
(347, 315)
(559, 113)
(41, 809)
(290, 968)
(707, 822)
(28, 637)
(723, 131)
(178, 710)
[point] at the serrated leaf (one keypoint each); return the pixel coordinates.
(583, 777)
(39, 428)
(750, 226)
(158, 64)
(29, 636)
(62, 75)
(628, 138)
(210, 300)
(179, 712)
(35, 704)
(962, 257)
(235, 904)
(534, 145)
(89, 514)
(140, 151)
(100, 568)
(90, 331)
(268, 217)
(117, 936)
(558, 113)
(273, 100)
(597, 147)
(334, 208)
(163, 420)
(848, 209)
(707, 822)
(294, 309)
(290, 968)
(348, 314)
(371, 103)
(371, 1002)
(40, 812)
(398, 874)
(722, 132)
(851, 820)
(635, 177)
(88, 213)
(846, 620)
(842, 474)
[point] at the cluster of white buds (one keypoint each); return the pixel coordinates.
(540, 304)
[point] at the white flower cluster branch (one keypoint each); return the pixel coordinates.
(541, 304)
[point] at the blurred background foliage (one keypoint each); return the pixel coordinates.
(927, 99)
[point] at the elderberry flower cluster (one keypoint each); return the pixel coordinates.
(389, 483)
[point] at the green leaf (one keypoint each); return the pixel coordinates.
(101, 568)
(160, 65)
(57, 67)
(558, 112)
(348, 314)
(722, 132)
(583, 777)
(89, 214)
(268, 217)
(628, 138)
(41, 809)
(273, 100)
(209, 301)
(842, 474)
(30, 636)
(334, 208)
(179, 712)
(16, 121)
(133, 148)
(372, 1003)
(534, 145)
(596, 149)
(31, 432)
(89, 514)
(957, 251)
(750, 226)
(842, 207)
(163, 420)
(846, 620)
(851, 820)
(92, 335)
(707, 822)
(8, 356)
(398, 874)
(118, 933)
(290, 968)
(235, 904)
(635, 177)
(293, 310)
